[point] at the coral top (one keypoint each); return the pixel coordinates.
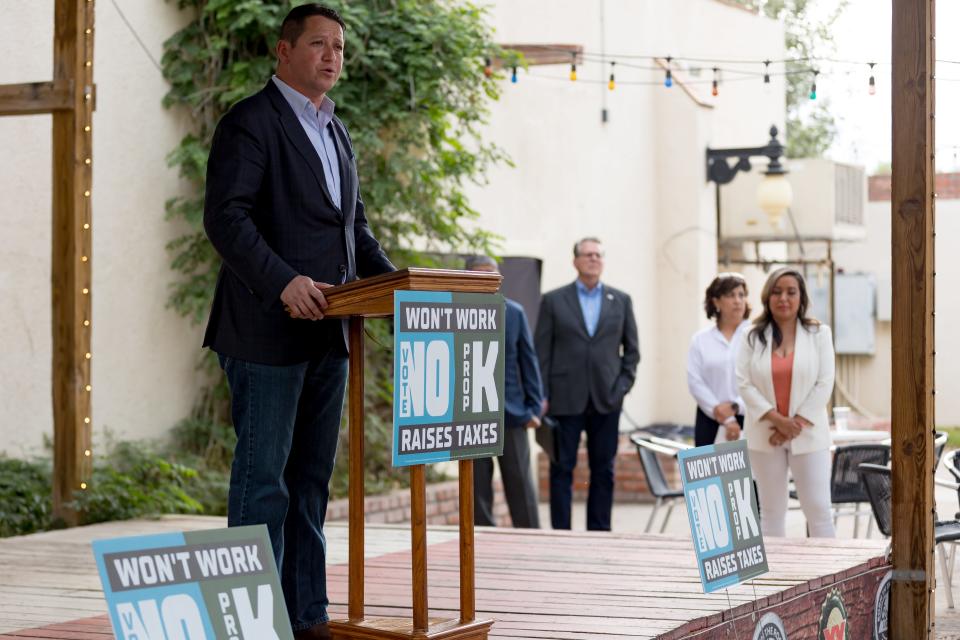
(782, 369)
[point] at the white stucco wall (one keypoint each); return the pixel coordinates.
(143, 354)
(873, 256)
(637, 182)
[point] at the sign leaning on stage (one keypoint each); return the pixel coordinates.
(448, 376)
(201, 585)
(723, 514)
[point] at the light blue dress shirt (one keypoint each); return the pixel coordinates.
(590, 302)
(317, 125)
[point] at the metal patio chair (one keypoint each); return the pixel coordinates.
(879, 488)
(847, 492)
(647, 449)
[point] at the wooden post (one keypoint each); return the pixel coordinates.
(71, 255)
(418, 526)
(356, 479)
(468, 608)
(911, 605)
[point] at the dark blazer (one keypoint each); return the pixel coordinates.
(577, 367)
(521, 376)
(270, 216)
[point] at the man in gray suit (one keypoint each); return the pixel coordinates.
(586, 340)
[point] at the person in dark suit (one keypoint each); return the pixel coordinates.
(523, 399)
(586, 340)
(283, 210)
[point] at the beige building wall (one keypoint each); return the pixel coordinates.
(871, 382)
(144, 355)
(638, 182)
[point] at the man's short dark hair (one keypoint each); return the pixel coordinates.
(293, 25)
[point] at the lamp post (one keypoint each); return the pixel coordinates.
(774, 194)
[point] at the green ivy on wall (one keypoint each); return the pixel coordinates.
(414, 96)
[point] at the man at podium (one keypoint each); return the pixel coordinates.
(283, 209)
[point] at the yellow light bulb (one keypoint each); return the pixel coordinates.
(87, 453)
(86, 291)
(88, 355)
(83, 485)
(86, 323)
(86, 225)
(86, 194)
(88, 387)
(86, 420)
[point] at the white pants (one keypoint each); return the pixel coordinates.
(811, 474)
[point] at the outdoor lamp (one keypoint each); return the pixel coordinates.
(774, 195)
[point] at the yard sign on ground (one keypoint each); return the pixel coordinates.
(723, 514)
(448, 376)
(201, 585)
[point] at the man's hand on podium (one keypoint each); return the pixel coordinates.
(303, 298)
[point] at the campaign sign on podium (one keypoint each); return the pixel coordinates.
(218, 584)
(448, 376)
(723, 514)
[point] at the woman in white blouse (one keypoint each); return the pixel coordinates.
(785, 372)
(712, 358)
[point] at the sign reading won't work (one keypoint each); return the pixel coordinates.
(201, 585)
(723, 514)
(448, 376)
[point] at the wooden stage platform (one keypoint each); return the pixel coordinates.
(535, 584)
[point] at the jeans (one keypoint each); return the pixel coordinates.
(602, 438)
(287, 420)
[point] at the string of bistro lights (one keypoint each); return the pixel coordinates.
(667, 65)
(85, 240)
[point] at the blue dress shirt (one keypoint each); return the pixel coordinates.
(590, 302)
(316, 124)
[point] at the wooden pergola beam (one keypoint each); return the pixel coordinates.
(71, 259)
(911, 605)
(541, 54)
(34, 97)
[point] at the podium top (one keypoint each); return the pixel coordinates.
(373, 297)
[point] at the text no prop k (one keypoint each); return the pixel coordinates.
(723, 514)
(219, 584)
(448, 376)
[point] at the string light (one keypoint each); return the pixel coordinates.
(766, 72)
(716, 89)
(573, 67)
(872, 85)
(86, 113)
(612, 84)
(668, 77)
(813, 86)
(487, 67)
(513, 74)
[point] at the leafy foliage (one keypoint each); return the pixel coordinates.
(25, 496)
(811, 127)
(413, 95)
(132, 482)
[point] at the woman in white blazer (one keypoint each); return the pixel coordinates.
(785, 371)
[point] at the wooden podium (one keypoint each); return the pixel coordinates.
(371, 298)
